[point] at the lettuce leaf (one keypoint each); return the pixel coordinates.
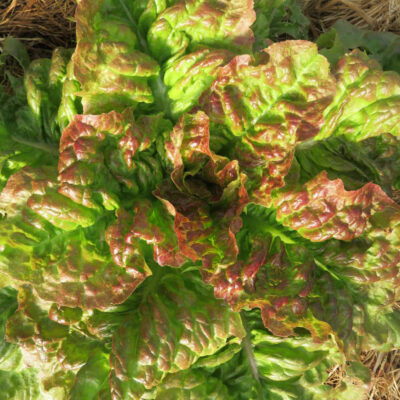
(185, 216)
(343, 37)
(266, 106)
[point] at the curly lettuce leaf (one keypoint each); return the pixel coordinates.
(29, 130)
(43, 82)
(65, 266)
(112, 70)
(30, 113)
(191, 385)
(194, 22)
(374, 160)
(170, 51)
(358, 233)
(323, 209)
(334, 271)
(265, 106)
(104, 156)
(55, 350)
(188, 76)
(366, 103)
(21, 137)
(271, 367)
(20, 385)
(205, 194)
(277, 18)
(275, 272)
(153, 224)
(343, 37)
(176, 323)
(71, 103)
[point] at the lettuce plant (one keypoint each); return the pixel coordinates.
(186, 216)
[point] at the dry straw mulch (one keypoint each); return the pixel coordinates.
(377, 15)
(40, 24)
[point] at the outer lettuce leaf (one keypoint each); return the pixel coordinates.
(361, 264)
(266, 106)
(21, 139)
(205, 195)
(277, 18)
(345, 282)
(270, 367)
(323, 209)
(191, 40)
(112, 70)
(16, 381)
(71, 103)
(29, 115)
(155, 30)
(193, 22)
(10, 355)
(55, 349)
(361, 315)
(29, 131)
(191, 385)
(65, 266)
(176, 323)
(343, 37)
(367, 100)
(43, 83)
(92, 380)
(274, 273)
(372, 160)
(20, 385)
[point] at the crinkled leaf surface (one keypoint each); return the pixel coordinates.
(367, 100)
(270, 367)
(65, 266)
(359, 256)
(176, 323)
(375, 159)
(186, 155)
(205, 193)
(277, 18)
(343, 37)
(265, 106)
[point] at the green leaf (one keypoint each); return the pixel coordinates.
(191, 385)
(270, 367)
(265, 105)
(92, 380)
(10, 355)
(112, 70)
(278, 18)
(366, 102)
(223, 25)
(72, 262)
(20, 385)
(343, 37)
(176, 323)
(15, 48)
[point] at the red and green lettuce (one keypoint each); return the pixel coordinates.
(190, 211)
